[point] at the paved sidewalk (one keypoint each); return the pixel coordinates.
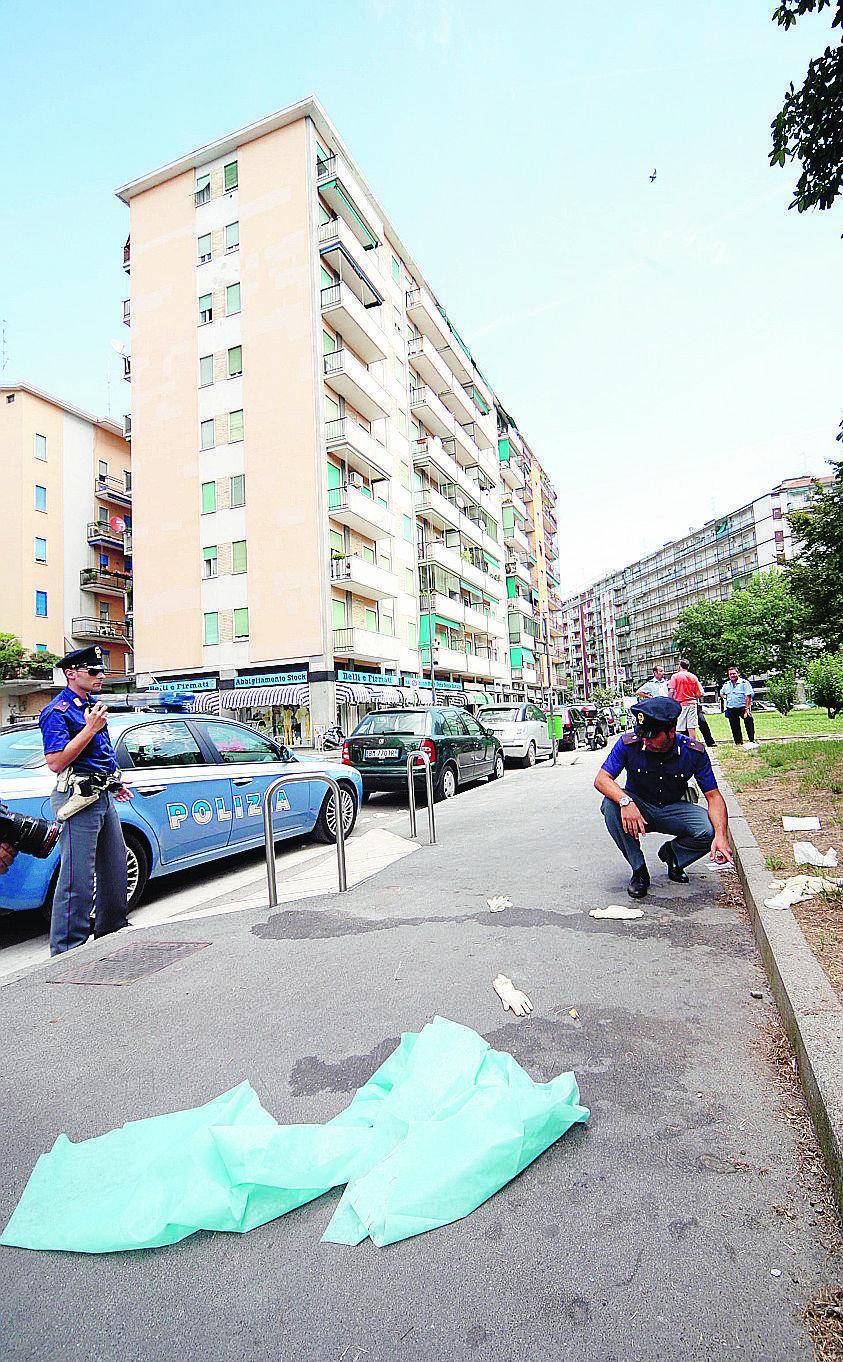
(650, 1234)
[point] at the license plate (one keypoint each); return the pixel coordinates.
(380, 753)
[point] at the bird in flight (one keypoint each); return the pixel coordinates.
(652, 177)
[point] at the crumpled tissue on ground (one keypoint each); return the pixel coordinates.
(442, 1125)
(797, 888)
(793, 824)
(805, 853)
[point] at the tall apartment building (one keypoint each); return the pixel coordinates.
(617, 629)
(65, 524)
(316, 460)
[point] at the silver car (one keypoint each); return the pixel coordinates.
(521, 729)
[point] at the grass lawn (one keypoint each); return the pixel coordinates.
(800, 723)
(801, 777)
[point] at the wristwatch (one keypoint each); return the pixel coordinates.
(624, 800)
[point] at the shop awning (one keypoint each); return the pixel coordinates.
(264, 697)
(385, 696)
(350, 693)
(478, 697)
(206, 702)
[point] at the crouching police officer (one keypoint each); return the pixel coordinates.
(78, 749)
(659, 763)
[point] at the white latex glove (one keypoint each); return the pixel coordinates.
(617, 911)
(512, 998)
(805, 853)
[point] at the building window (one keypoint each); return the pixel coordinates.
(127, 479)
(202, 192)
(777, 510)
(229, 173)
(238, 556)
(238, 489)
(367, 553)
(235, 426)
(402, 422)
(204, 248)
(412, 634)
(338, 613)
(212, 628)
(41, 604)
(232, 237)
(206, 371)
(40, 498)
(408, 527)
(41, 447)
(40, 550)
(207, 434)
(40, 647)
(206, 309)
(209, 561)
(241, 622)
(409, 581)
(404, 474)
(372, 618)
(396, 270)
(399, 369)
(235, 361)
(209, 497)
(103, 610)
(337, 544)
(232, 299)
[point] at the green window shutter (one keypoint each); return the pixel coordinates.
(329, 343)
(235, 426)
(338, 616)
(368, 554)
(232, 236)
(207, 434)
(238, 489)
(334, 477)
(321, 152)
(232, 299)
(327, 278)
(209, 552)
(337, 543)
(371, 618)
(204, 247)
(206, 310)
(332, 409)
(412, 634)
(241, 622)
(235, 361)
(408, 527)
(230, 175)
(238, 556)
(212, 628)
(206, 371)
(396, 270)
(209, 497)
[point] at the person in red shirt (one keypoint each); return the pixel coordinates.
(686, 690)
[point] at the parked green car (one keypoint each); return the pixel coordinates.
(459, 749)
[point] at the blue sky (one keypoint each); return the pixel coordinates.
(669, 349)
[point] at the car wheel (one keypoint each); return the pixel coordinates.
(498, 768)
(137, 868)
(446, 786)
(529, 757)
(326, 824)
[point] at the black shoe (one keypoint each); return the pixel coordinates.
(639, 884)
(674, 871)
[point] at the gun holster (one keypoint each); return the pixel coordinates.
(85, 789)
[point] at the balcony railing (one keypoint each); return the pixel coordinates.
(100, 532)
(127, 368)
(111, 488)
(127, 255)
(118, 630)
(96, 579)
(127, 311)
(350, 377)
(127, 425)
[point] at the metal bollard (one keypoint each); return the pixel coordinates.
(269, 841)
(413, 759)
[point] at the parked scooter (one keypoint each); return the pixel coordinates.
(333, 738)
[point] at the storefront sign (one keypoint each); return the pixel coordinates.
(369, 678)
(271, 679)
(440, 685)
(198, 683)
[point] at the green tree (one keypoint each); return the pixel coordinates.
(700, 637)
(604, 695)
(11, 655)
(758, 629)
(808, 127)
(816, 573)
(782, 691)
(825, 682)
(41, 664)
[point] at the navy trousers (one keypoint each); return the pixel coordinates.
(690, 825)
(92, 877)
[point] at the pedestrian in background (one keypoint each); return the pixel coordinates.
(656, 686)
(684, 687)
(737, 694)
(708, 736)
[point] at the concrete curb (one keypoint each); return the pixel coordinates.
(809, 1007)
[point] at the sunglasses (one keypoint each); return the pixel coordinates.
(93, 671)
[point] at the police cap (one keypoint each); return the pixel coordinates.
(655, 714)
(91, 657)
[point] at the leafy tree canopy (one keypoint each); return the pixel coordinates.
(11, 655)
(758, 629)
(816, 573)
(808, 127)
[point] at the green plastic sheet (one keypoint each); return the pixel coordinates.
(442, 1125)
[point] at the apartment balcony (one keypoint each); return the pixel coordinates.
(430, 409)
(364, 645)
(515, 567)
(518, 635)
(104, 582)
(127, 312)
(432, 550)
(356, 323)
(511, 472)
(109, 488)
(458, 402)
(436, 453)
(355, 574)
(477, 433)
(350, 505)
(522, 604)
(516, 540)
(497, 668)
(117, 631)
(446, 659)
(127, 425)
(332, 181)
(517, 504)
(436, 509)
(101, 533)
(478, 619)
(350, 441)
(352, 380)
(127, 368)
(524, 675)
(447, 607)
(344, 252)
(428, 363)
(426, 317)
(127, 255)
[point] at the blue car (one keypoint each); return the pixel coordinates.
(197, 786)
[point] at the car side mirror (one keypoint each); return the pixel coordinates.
(286, 753)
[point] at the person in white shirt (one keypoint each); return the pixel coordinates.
(657, 685)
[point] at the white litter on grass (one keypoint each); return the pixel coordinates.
(800, 824)
(805, 853)
(498, 904)
(617, 911)
(512, 998)
(797, 888)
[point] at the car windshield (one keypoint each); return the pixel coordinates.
(506, 714)
(21, 747)
(412, 723)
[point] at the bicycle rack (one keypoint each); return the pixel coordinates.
(413, 759)
(269, 841)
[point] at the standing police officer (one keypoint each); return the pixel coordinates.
(75, 736)
(659, 763)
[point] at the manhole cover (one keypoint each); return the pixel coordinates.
(129, 963)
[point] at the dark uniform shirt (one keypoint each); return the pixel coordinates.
(61, 720)
(660, 778)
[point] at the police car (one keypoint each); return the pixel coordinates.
(197, 785)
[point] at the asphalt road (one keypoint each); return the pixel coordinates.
(654, 1233)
